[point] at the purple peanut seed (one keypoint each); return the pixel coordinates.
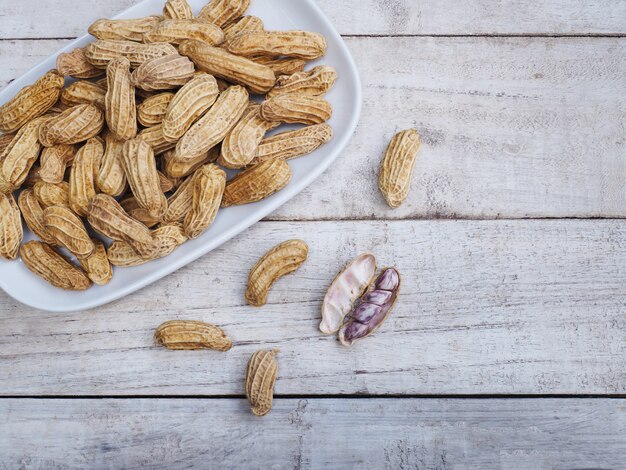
(377, 297)
(388, 280)
(365, 312)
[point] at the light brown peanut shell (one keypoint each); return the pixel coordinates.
(68, 231)
(101, 52)
(245, 24)
(121, 111)
(5, 140)
(166, 183)
(283, 259)
(296, 108)
(292, 144)
(74, 64)
(163, 73)
(21, 154)
(208, 187)
(33, 215)
(177, 9)
(11, 232)
(216, 61)
(166, 239)
(189, 335)
(281, 65)
(131, 30)
(152, 110)
(132, 208)
(316, 82)
(33, 177)
(154, 136)
(180, 203)
(299, 44)
(111, 177)
(177, 31)
(257, 183)
(83, 92)
(222, 12)
(77, 124)
(46, 263)
(260, 378)
(396, 170)
(175, 168)
(97, 265)
(49, 194)
(54, 161)
(83, 174)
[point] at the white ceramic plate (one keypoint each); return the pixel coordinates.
(17, 281)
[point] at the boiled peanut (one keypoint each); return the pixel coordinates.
(316, 82)
(152, 111)
(33, 215)
(11, 233)
(77, 124)
(83, 174)
(222, 12)
(188, 334)
(299, 44)
(177, 9)
(292, 144)
(177, 31)
(257, 183)
(163, 73)
(121, 111)
(208, 188)
(296, 108)
(46, 263)
(68, 231)
(101, 52)
(97, 264)
(396, 169)
(166, 239)
(111, 177)
(131, 30)
(83, 92)
(74, 64)
(260, 378)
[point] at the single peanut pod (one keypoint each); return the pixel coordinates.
(68, 231)
(177, 9)
(132, 208)
(49, 194)
(77, 124)
(131, 30)
(177, 31)
(281, 260)
(121, 112)
(166, 239)
(83, 92)
(83, 174)
(299, 44)
(396, 170)
(222, 12)
(97, 265)
(74, 64)
(245, 24)
(296, 108)
(54, 162)
(45, 262)
(143, 178)
(190, 335)
(280, 65)
(240, 145)
(11, 232)
(257, 183)
(189, 103)
(163, 73)
(107, 217)
(31, 102)
(208, 188)
(211, 129)
(20, 155)
(293, 144)
(175, 168)
(101, 52)
(111, 177)
(33, 215)
(216, 61)
(316, 82)
(152, 111)
(180, 203)
(260, 379)
(155, 138)
(5, 140)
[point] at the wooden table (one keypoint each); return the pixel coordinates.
(507, 348)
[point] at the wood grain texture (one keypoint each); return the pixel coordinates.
(486, 307)
(36, 19)
(314, 433)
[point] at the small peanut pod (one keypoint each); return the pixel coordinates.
(260, 378)
(33, 215)
(180, 203)
(121, 111)
(49, 194)
(177, 9)
(155, 137)
(76, 124)
(189, 103)
(396, 169)
(97, 264)
(54, 161)
(257, 183)
(83, 92)
(211, 129)
(189, 335)
(163, 73)
(316, 82)
(175, 168)
(31, 102)
(292, 144)
(101, 52)
(20, 155)
(143, 178)
(177, 31)
(45, 262)
(68, 231)
(296, 108)
(246, 24)
(216, 61)
(132, 208)
(166, 239)
(280, 65)
(283, 259)
(83, 175)
(222, 12)
(111, 177)
(299, 44)
(208, 188)
(131, 30)
(240, 145)
(11, 232)
(372, 309)
(74, 64)
(152, 111)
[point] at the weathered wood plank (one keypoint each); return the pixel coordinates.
(36, 19)
(315, 433)
(512, 128)
(486, 307)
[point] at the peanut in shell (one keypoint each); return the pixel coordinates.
(260, 378)
(245, 24)
(32, 211)
(166, 239)
(68, 231)
(121, 111)
(256, 183)
(127, 29)
(97, 265)
(190, 335)
(75, 64)
(296, 108)
(293, 144)
(223, 12)
(396, 170)
(77, 124)
(111, 177)
(208, 188)
(21, 154)
(177, 31)
(101, 52)
(83, 174)
(316, 82)
(45, 262)
(163, 73)
(83, 92)
(11, 232)
(152, 110)
(177, 9)
(298, 44)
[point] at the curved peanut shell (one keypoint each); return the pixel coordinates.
(68, 231)
(11, 232)
(101, 52)
(177, 31)
(152, 110)
(292, 144)
(74, 64)
(260, 378)
(257, 183)
(133, 209)
(49, 194)
(131, 30)
(245, 24)
(316, 82)
(211, 129)
(54, 161)
(299, 44)
(222, 12)
(121, 112)
(163, 73)
(77, 124)
(31, 102)
(396, 169)
(46, 263)
(241, 143)
(111, 177)
(175, 168)
(166, 239)
(296, 108)
(177, 9)
(83, 174)
(155, 137)
(283, 259)
(190, 335)
(280, 65)
(189, 103)
(208, 188)
(97, 264)
(83, 92)
(216, 61)
(33, 215)
(180, 203)
(20, 155)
